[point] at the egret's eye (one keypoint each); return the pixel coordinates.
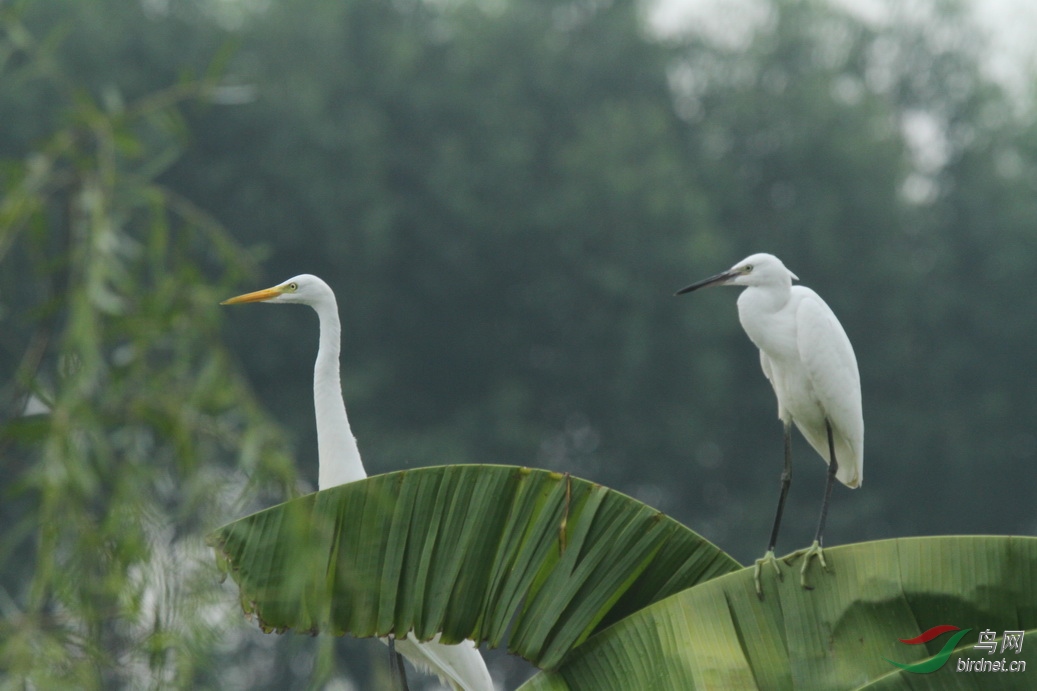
(293, 287)
(748, 269)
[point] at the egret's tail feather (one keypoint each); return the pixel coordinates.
(461, 666)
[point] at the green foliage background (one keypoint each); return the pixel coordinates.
(504, 196)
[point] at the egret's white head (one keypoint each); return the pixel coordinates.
(304, 289)
(760, 269)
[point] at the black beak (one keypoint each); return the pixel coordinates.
(719, 279)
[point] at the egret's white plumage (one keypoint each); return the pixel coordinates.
(808, 359)
(338, 459)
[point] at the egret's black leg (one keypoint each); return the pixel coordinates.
(833, 466)
(815, 549)
(786, 480)
(396, 669)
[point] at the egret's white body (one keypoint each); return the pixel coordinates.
(338, 459)
(809, 362)
(808, 359)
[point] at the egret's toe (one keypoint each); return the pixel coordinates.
(766, 558)
(813, 551)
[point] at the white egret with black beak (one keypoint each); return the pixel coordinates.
(810, 363)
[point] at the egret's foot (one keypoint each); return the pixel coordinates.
(767, 558)
(813, 551)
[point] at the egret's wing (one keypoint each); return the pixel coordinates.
(461, 666)
(827, 356)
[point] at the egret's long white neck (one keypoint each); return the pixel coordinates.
(758, 310)
(765, 299)
(338, 456)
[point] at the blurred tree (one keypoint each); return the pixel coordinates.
(127, 433)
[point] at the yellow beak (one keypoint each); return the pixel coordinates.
(258, 296)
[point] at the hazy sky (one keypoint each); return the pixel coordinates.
(1012, 23)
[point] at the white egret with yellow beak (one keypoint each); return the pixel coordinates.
(338, 460)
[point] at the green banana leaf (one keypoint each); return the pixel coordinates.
(530, 558)
(843, 634)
